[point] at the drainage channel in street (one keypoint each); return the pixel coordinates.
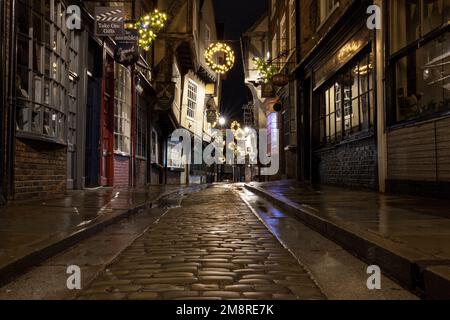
(339, 274)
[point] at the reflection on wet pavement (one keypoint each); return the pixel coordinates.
(339, 274)
(29, 226)
(421, 223)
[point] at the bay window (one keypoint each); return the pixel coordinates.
(42, 77)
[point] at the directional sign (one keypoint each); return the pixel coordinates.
(109, 21)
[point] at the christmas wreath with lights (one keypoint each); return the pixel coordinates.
(213, 51)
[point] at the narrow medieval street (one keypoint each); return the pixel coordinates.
(219, 243)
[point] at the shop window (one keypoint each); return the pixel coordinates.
(42, 73)
(420, 60)
(345, 106)
(422, 86)
(414, 19)
(192, 99)
(272, 134)
(122, 110)
(174, 155)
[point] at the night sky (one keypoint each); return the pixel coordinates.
(238, 16)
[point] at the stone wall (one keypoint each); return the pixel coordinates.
(349, 164)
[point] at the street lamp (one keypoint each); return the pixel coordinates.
(222, 121)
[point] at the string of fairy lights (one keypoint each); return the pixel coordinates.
(218, 56)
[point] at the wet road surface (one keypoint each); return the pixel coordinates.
(213, 246)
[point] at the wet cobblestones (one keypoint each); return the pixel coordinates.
(213, 247)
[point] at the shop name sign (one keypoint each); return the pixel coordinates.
(127, 52)
(109, 21)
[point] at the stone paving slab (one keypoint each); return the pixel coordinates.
(33, 231)
(404, 235)
(213, 247)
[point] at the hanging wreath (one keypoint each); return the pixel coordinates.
(239, 135)
(212, 54)
(235, 127)
(149, 26)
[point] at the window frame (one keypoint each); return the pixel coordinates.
(192, 99)
(325, 14)
(394, 56)
(327, 116)
(122, 106)
(43, 106)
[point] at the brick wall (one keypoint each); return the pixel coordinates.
(155, 173)
(352, 164)
(173, 178)
(141, 172)
(121, 171)
(40, 170)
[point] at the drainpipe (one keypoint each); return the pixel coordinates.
(11, 105)
(2, 101)
(380, 99)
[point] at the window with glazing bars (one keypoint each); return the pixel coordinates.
(192, 99)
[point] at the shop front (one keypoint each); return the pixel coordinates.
(342, 117)
(418, 103)
(46, 104)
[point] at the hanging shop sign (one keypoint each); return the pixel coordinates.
(126, 54)
(165, 95)
(211, 116)
(109, 21)
(128, 36)
(280, 80)
(127, 51)
(267, 90)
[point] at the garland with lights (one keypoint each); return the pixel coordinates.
(148, 26)
(219, 48)
(266, 70)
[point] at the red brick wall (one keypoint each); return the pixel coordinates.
(121, 171)
(40, 170)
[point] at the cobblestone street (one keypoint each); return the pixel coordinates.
(213, 247)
